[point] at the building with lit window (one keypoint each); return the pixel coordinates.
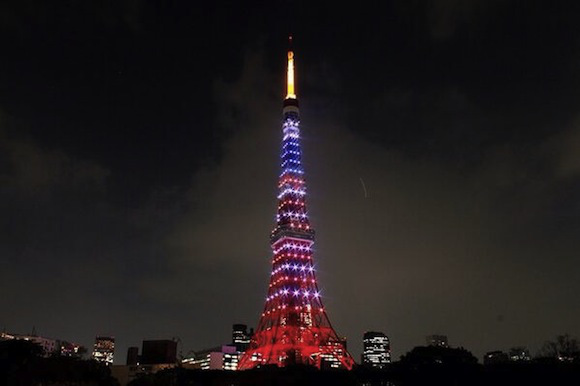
(104, 349)
(519, 354)
(70, 349)
(333, 360)
(49, 346)
(376, 350)
(241, 337)
(218, 358)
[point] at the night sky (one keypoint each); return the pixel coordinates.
(139, 146)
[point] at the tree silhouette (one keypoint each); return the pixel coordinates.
(22, 363)
(565, 348)
(435, 355)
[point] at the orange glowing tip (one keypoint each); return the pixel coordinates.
(291, 93)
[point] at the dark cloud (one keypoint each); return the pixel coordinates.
(31, 168)
(567, 148)
(448, 16)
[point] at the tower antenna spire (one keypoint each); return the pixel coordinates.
(291, 93)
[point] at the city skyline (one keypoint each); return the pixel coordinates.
(138, 150)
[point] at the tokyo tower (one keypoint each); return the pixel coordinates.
(294, 327)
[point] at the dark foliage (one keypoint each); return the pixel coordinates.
(526, 374)
(22, 364)
(564, 348)
(422, 366)
(433, 355)
(269, 376)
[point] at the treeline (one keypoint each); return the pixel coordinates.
(422, 366)
(22, 363)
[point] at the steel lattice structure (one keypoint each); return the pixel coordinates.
(294, 327)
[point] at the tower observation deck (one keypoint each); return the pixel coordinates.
(294, 327)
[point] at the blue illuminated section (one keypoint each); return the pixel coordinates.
(292, 218)
(291, 152)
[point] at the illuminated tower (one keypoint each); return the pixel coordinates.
(294, 327)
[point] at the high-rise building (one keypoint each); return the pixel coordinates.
(437, 340)
(241, 337)
(224, 357)
(132, 356)
(104, 349)
(376, 350)
(158, 351)
(294, 327)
